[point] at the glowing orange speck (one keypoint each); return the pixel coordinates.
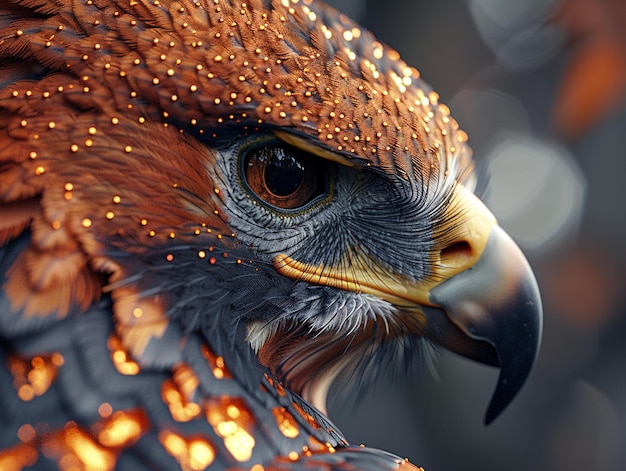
(180, 408)
(57, 359)
(25, 392)
(286, 422)
(193, 454)
(33, 378)
(76, 449)
(26, 433)
(122, 362)
(216, 364)
(308, 417)
(105, 409)
(236, 432)
(17, 457)
(123, 429)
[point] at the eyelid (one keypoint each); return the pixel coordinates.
(307, 146)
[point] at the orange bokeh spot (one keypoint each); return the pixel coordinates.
(216, 363)
(124, 364)
(286, 422)
(33, 378)
(75, 449)
(233, 422)
(192, 453)
(182, 410)
(18, 457)
(122, 428)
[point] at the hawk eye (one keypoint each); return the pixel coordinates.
(283, 176)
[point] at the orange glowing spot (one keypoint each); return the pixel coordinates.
(308, 417)
(233, 411)
(57, 359)
(286, 422)
(235, 431)
(181, 409)
(26, 433)
(216, 364)
(121, 360)
(122, 429)
(86, 222)
(109, 215)
(34, 378)
(76, 449)
(26, 392)
(276, 385)
(293, 456)
(193, 454)
(18, 457)
(105, 409)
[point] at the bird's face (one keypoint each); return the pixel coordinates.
(377, 263)
(267, 166)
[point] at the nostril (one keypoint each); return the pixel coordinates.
(456, 255)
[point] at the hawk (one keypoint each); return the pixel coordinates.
(214, 212)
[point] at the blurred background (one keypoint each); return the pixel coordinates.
(540, 86)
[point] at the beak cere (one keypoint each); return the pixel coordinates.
(495, 303)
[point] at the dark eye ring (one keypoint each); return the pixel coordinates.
(283, 176)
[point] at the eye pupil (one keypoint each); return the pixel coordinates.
(283, 174)
(284, 177)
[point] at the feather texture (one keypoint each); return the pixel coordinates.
(142, 316)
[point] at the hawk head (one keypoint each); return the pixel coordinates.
(263, 174)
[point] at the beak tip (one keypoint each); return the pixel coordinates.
(517, 358)
(510, 320)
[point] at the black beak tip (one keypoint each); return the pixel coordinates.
(517, 354)
(496, 307)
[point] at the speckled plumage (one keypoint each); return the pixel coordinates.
(154, 308)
